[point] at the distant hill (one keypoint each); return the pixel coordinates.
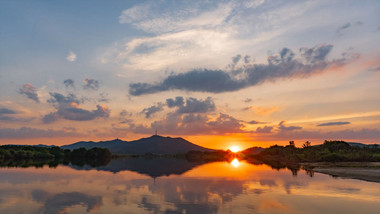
(155, 144)
(39, 145)
(363, 145)
(253, 150)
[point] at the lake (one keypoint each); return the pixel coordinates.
(136, 185)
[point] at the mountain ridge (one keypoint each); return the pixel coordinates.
(155, 144)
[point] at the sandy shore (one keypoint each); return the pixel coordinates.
(367, 171)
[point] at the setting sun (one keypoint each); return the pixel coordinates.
(235, 148)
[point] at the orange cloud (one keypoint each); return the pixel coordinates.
(263, 111)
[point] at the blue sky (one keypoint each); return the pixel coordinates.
(243, 72)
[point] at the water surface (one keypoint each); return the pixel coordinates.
(178, 186)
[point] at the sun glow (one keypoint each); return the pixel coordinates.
(235, 162)
(235, 149)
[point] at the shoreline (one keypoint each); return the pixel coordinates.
(366, 171)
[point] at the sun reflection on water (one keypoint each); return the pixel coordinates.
(235, 162)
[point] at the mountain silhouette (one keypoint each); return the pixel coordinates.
(155, 144)
(253, 150)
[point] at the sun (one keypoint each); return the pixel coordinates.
(235, 149)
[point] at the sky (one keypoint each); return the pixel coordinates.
(217, 73)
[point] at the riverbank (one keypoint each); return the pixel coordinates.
(367, 171)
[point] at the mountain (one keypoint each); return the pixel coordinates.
(155, 144)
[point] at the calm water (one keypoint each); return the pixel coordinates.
(177, 186)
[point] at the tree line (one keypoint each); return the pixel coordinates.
(329, 151)
(18, 155)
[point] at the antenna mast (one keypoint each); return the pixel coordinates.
(155, 132)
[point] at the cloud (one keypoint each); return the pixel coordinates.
(334, 124)
(91, 84)
(340, 31)
(71, 57)
(345, 26)
(147, 18)
(5, 112)
(60, 202)
(197, 35)
(103, 97)
(253, 122)
(248, 100)
(152, 110)
(262, 110)
(374, 69)
(311, 61)
(8, 115)
(192, 124)
(69, 109)
(28, 132)
(69, 83)
(125, 113)
(178, 101)
(192, 105)
(196, 80)
(284, 128)
(124, 117)
(208, 33)
(51, 117)
(30, 91)
(311, 55)
(57, 98)
(265, 129)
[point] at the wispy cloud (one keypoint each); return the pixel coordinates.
(5, 114)
(91, 84)
(344, 27)
(201, 33)
(374, 69)
(334, 124)
(201, 14)
(71, 57)
(259, 110)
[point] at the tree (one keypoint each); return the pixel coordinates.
(306, 144)
(291, 143)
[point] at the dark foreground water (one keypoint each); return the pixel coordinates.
(178, 186)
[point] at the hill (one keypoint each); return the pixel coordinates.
(155, 144)
(363, 145)
(253, 150)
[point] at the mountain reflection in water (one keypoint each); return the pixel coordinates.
(161, 185)
(155, 167)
